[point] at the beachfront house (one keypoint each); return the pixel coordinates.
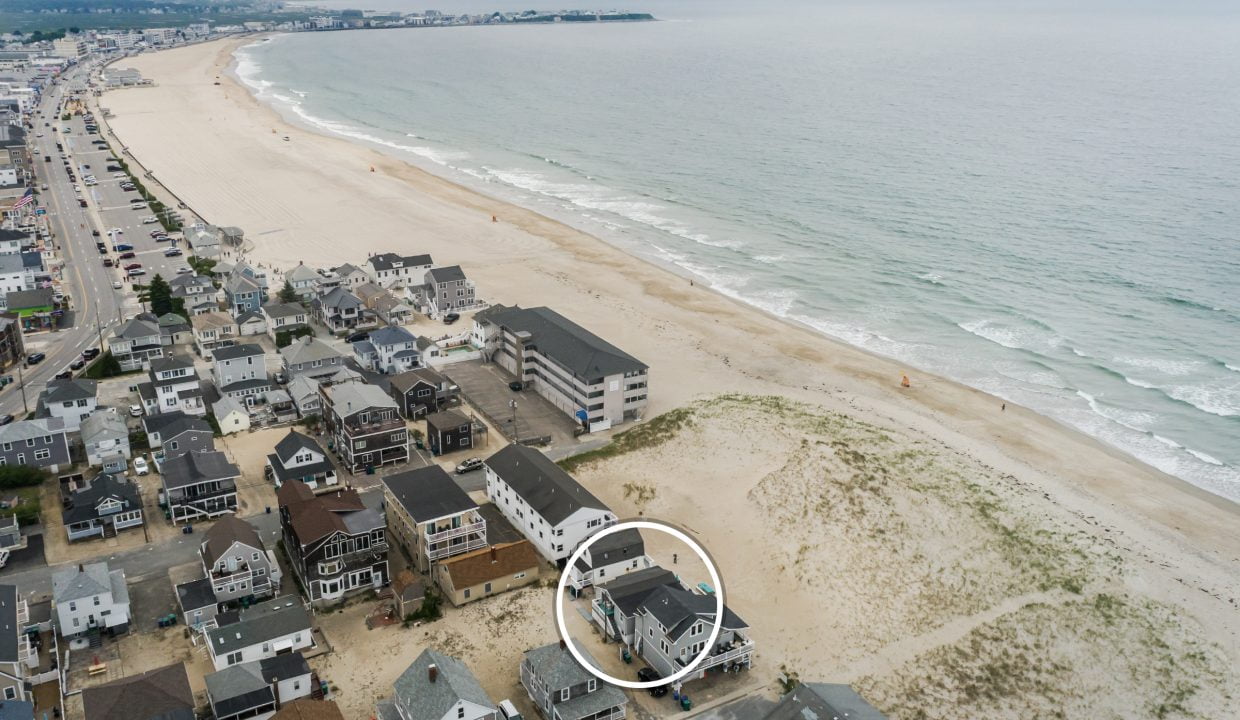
(392, 310)
(304, 280)
(101, 507)
(285, 318)
(437, 687)
(240, 372)
(135, 342)
(299, 457)
(212, 330)
(422, 391)
(431, 516)
(305, 395)
(88, 597)
(616, 602)
(449, 431)
(389, 269)
(237, 563)
(42, 443)
(106, 440)
(310, 357)
(261, 631)
(71, 400)
(546, 504)
(366, 430)
(172, 385)
(608, 558)
(161, 694)
(489, 571)
(388, 350)
(337, 546)
(18, 656)
(257, 689)
(447, 290)
(562, 690)
(243, 293)
(588, 378)
(340, 310)
(174, 330)
(200, 484)
(197, 292)
(347, 276)
(823, 700)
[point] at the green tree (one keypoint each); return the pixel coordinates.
(178, 307)
(160, 293)
(18, 476)
(287, 293)
(284, 338)
(202, 266)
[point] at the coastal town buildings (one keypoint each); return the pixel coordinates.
(258, 632)
(310, 357)
(304, 280)
(236, 562)
(446, 289)
(422, 391)
(172, 385)
(285, 318)
(136, 342)
(449, 431)
(337, 546)
(71, 401)
(88, 597)
(257, 689)
(340, 310)
(560, 688)
(212, 330)
(12, 345)
(388, 350)
(299, 457)
(101, 507)
(18, 656)
(431, 516)
(823, 700)
(366, 430)
(231, 415)
(199, 484)
(175, 433)
(608, 558)
(161, 694)
(488, 571)
(42, 443)
(554, 511)
(105, 438)
(439, 687)
(389, 269)
(240, 372)
(593, 381)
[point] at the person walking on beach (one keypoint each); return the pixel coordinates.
(1003, 407)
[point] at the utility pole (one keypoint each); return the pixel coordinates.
(515, 435)
(99, 325)
(21, 383)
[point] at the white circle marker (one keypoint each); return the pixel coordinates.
(717, 584)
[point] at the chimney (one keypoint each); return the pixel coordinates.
(563, 645)
(432, 672)
(494, 559)
(81, 568)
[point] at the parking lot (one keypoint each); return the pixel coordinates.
(485, 386)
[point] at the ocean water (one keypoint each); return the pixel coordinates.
(1034, 199)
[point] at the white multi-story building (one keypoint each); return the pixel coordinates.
(90, 596)
(174, 385)
(73, 47)
(554, 511)
(261, 631)
(389, 269)
(70, 400)
(240, 372)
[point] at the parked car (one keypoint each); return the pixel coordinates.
(66, 374)
(81, 202)
(184, 269)
(116, 285)
(135, 411)
(516, 386)
(172, 252)
(77, 364)
(150, 220)
(90, 353)
(35, 358)
(140, 467)
(650, 675)
(6, 419)
(358, 336)
(450, 318)
(126, 255)
(135, 272)
(469, 465)
(94, 233)
(132, 266)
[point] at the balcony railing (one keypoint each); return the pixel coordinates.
(357, 428)
(473, 523)
(737, 651)
(456, 541)
(616, 713)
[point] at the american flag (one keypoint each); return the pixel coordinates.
(25, 199)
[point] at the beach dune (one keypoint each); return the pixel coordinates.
(315, 199)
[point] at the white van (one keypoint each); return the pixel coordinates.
(509, 710)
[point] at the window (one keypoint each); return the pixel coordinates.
(42, 454)
(486, 588)
(233, 658)
(76, 622)
(10, 693)
(96, 599)
(460, 711)
(29, 442)
(518, 576)
(564, 695)
(72, 607)
(465, 594)
(591, 685)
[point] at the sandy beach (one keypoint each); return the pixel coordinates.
(984, 532)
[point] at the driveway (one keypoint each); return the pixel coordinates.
(485, 386)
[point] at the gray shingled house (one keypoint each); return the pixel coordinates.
(437, 687)
(563, 690)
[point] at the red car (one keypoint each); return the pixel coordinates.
(126, 255)
(133, 266)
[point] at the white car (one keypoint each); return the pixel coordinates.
(117, 285)
(140, 466)
(135, 411)
(119, 175)
(149, 220)
(116, 231)
(183, 269)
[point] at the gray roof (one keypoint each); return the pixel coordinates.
(824, 701)
(238, 688)
(628, 591)
(196, 594)
(446, 420)
(337, 298)
(277, 310)
(363, 348)
(421, 699)
(577, 349)
(84, 503)
(410, 378)
(249, 384)
(171, 320)
(16, 710)
(162, 694)
(170, 424)
(550, 491)
(301, 272)
(251, 316)
(241, 283)
(224, 533)
(197, 467)
(59, 391)
(103, 425)
(614, 548)
(557, 669)
(23, 430)
(293, 442)
(284, 666)
(307, 349)
(451, 273)
(172, 362)
(355, 397)
(346, 270)
(428, 493)
(134, 328)
(29, 298)
(301, 386)
(259, 623)
(233, 352)
(69, 584)
(8, 623)
(391, 336)
(10, 264)
(678, 609)
(386, 261)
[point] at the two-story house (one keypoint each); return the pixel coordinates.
(243, 293)
(346, 276)
(175, 433)
(172, 385)
(449, 431)
(562, 690)
(299, 457)
(277, 626)
(236, 562)
(310, 357)
(364, 425)
(608, 558)
(71, 400)
(422, 391)
(88, 597)
(285, 317)
(212, 330)
(240, 372)
(616, 602)
(447, 290)
(672, 626)
(304, 280)
(554, 511)
(160, 694)
(174, 330)
(41, 443)
(586, 377)
(304, 393)
(135, 342)
(101, 507)
(337, 545)
(18, 656)
(389, 269)
(200, 484)
(106, 439)
(257, 689)
(340, 310)
(388, 350)
(437, 687)
(197, 292)
(431, 516)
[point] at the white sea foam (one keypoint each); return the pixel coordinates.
(931, 278)
(1221, 401)
(994, 332)
(770, 259)
(1231, 367)
(1204, 457)
(1166, 366)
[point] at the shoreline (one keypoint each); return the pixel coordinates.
(867, 378)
